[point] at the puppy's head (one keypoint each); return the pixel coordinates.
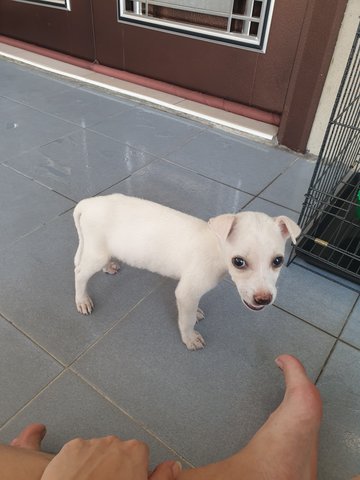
(253, 245)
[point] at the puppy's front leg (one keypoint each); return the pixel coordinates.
(187, 302)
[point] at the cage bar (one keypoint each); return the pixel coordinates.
(330, 216)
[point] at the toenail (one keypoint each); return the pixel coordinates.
(279, 363)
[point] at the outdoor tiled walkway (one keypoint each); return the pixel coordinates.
(124, 370)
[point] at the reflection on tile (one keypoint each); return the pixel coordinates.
(351, 331)
(314, 298)
(290, 188)
(23, 128)
(231, 120)
(24, 370)
(25, 205)
(81, 107)
(240, 163)
(39, 270)
(219, 396)
(204, 405)
(67, 406)
(327, 274)
(156, 132)
(340, 432)
(183, 190)
(29, 87)
(82, 164)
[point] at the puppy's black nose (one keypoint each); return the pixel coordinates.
(263, 298)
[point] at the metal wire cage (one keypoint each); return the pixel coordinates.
(330, 217)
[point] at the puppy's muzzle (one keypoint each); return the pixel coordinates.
(259, 301)
(262, 299)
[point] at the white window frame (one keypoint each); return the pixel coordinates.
(246, 41)
(59, 4)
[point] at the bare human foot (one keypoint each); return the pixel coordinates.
(30, 437)
(22, 459)
(285, 447)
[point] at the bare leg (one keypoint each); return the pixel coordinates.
(285, 447)
(22, 460)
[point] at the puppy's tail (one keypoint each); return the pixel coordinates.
(77, 216)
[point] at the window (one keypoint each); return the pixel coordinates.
(242, 23)
(63, 4)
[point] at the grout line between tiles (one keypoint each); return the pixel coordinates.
(137, 422)
(323, 275)
(306, 321)
(29, 337)
(345, 342)
(36, 109)
(32, 399)
(338, 339)
(121, 319)
(159, 155)
(253, 195)
(44, 186)
(204, 176)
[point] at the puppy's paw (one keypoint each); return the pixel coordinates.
(194, 341)
(200, 315)
(85, 306)
(111, 268)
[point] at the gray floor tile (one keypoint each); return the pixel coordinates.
(216, 397)
(206, 404)
(340, 432)
(25, 205)
(23, 128)
(149, 130)
(272, 209)
(71, 409)
(24, 370)
(37, 291)
(229, 159)
(290, 188)
(28, 86)
(7, 68)
(80, 165)
(183, 190)
(351, 333)
(314, 298)
(327, 274)
(81, 107)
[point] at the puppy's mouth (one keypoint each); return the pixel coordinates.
(256, 308)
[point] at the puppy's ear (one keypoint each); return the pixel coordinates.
(222, 225)
(288, 228)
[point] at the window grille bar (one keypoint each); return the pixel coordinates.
(246, 27)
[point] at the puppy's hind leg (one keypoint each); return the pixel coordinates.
(111, 267)
(87, 267)
(187, 302)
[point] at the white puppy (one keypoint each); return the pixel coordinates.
(248, 245)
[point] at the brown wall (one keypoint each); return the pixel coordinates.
(68, 32)
(287, 79)
(228, 72)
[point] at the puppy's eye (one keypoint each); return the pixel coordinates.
(278, 261)
(238, 262)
